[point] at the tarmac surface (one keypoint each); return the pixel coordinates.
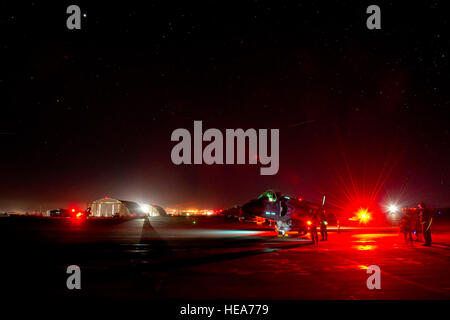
(212, 258)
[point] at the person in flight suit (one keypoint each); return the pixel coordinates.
(426, 219)
(313, 228)
(323, 227)
(406, 225)
(417, 226)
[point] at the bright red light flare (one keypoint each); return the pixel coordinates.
(362, 215)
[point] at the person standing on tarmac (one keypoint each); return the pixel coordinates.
(323, 227)
(313, 229)
(417, 226)
(426, 219)
(406, 225)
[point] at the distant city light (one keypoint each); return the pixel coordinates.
(192, 212)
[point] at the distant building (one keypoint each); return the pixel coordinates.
(107, 207)
(158, 211)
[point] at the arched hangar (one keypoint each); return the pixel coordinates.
(107, 207)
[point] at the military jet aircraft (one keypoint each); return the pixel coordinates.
(288, 213)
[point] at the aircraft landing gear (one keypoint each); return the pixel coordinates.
(282, 233)
(281, 229)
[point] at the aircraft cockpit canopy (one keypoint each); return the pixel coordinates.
(270, 195)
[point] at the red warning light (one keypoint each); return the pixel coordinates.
(73, 210)
(309, 223)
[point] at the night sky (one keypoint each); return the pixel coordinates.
(363, 114)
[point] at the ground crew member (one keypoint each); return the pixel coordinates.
(417, 226)
(313, 229)
(406, 225)
(426, 219)
(323, 227)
